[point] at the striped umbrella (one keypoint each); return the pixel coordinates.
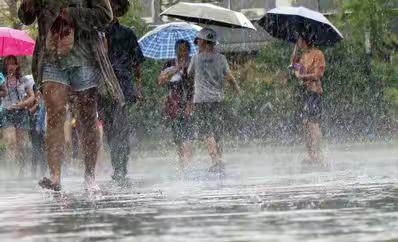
(160, 43)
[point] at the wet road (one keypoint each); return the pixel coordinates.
(266, 196)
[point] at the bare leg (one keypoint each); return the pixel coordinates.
(213, 149)
(185, 153)
(88, 132)
(313, 141)
(101, 150)
(20, 155)
(55, 97)
(9, 137)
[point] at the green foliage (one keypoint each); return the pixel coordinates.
(373, 16)
(133, 18)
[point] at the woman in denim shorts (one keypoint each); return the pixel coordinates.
(67, 60)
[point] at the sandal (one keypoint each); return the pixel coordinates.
(46, 183)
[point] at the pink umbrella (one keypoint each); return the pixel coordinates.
(15, 42)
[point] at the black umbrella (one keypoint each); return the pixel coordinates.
(287, 23)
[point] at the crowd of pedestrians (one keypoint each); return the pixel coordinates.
(87, 74)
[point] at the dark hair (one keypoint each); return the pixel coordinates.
(120, 7)
(13, 58)
(308, 38)
(182, 42)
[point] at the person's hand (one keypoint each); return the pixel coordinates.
(238, 92)
(140, 97)
(298, 75)
(12, 107)
(188, 110)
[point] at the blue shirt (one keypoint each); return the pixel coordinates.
(125, 54)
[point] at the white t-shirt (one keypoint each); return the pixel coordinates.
(18, 93)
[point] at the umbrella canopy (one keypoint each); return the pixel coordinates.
(160, 42)
(15, 42)
(286, 22)
(209, 14)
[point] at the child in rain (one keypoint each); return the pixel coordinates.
(209, 70)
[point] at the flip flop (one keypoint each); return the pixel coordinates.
(46, 183)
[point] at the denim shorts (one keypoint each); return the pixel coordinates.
(79, 78)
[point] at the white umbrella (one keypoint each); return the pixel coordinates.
(209, 14)
(286, 22)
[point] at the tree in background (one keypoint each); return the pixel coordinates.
(374, 17)
(133, 18)
(8, 14)
(373, 25)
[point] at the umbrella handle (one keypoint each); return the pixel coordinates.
(294, 55)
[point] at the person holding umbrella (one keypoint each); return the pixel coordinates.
(309, 68)
(177, 108)
(209, 70)
(307, 29)
(174, 42)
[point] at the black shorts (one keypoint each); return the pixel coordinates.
(312, 107)
(209, 119)
(182, 129)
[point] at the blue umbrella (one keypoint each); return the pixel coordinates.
(160, 43)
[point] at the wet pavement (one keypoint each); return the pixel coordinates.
(267, 195)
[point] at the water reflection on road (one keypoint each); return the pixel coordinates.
(266, 196)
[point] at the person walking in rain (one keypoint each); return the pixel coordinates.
(177, 108)
(126, 57)
(69, 57)
(15, 116)
(309, 68)
(210, 70)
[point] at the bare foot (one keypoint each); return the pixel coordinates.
(90, 185)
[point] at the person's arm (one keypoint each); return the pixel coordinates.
(232, 81)
(3, 90)
(229, 77)
(28, 102)
(138, 81)
(138, 58)
(189, 96)
(166, 74)
(294, 57)
(190, 75)
(97, 16)
(27, 12)
(163, 78)
(33, 109)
